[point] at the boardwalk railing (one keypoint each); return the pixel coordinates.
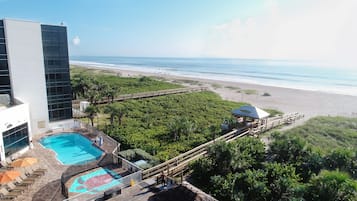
(149, 94)
(179, 163)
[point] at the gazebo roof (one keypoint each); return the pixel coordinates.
(250, 111)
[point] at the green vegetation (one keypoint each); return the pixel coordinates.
(95, 85)
(232, 87)
(242, 171)
(216, 86)
(248, 91)
(273, 112)
(291, 169)
(168, 125)
(191, 82)
(328, 133)
(139, 154)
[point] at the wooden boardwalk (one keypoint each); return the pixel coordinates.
(176, 165)
(150, 94)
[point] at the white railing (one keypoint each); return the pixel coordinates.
(94, 193)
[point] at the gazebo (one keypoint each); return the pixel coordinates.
(250, 115)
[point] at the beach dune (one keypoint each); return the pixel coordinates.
(310, 103)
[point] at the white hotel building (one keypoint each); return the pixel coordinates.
(35, 90)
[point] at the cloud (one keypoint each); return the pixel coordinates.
(76, 41)
(323, 30)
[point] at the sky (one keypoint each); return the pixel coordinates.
(321, 30)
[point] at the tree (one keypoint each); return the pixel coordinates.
(180, 127)
(332, 186)
(91, 112)
(286, 149)
(248, 153)
(221, 187)
(221, 154)
(80, 83)
(214, 130)
(112, 111)
(112, 92)
(295, 151)
(121, 112)
(283, 182)
(275, 182)
(339, 159)
(202, 170)
(251, 185)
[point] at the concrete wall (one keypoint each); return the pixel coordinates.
(10, 118)
(27, 72)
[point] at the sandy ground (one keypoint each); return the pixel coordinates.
(310, 103)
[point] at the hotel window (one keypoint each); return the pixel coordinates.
(15, 139)
(55, 51)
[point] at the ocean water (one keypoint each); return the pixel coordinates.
(281, 73)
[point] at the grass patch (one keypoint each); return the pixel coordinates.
(250, 91)
(273, 112)
(191, 82)
(232, 87)
(127, 85)
(247, 91)
(328, 133)
(216, 86)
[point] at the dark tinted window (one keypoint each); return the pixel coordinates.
(2, 49)
(55, 51)
(2, 35)
(3, 65)
(15, 139)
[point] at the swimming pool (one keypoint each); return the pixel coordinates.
(72, 148)
(96, 181)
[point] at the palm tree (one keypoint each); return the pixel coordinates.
(121, 111)
(187, 127)
(111, 92)
(179, 127)
(174, 129)
(80, 84)
(91, 112)
(111, 110)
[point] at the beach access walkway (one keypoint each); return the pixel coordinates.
(179, 164)
(150, 94)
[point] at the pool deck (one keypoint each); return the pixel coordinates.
(119, 171)
(48, 187)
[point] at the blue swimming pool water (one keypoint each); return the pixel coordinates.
(99, 180)
(72, 148)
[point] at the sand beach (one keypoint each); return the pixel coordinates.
(310, 103)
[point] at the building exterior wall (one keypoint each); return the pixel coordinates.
(11, 118)
(5, 87)
(26, 65)
(58, 83)
(34, 72)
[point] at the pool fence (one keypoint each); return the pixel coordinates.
(95, 194)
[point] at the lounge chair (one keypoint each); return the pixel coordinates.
(5, 166)
(12, 187)
(37, 168)
(30, 173)
(23, 176)
(21, 182)
(9, 195)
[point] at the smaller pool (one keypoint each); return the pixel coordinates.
(94, 182)
(72, 148)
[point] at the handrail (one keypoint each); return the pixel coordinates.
(184, 158)
(151, 94)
